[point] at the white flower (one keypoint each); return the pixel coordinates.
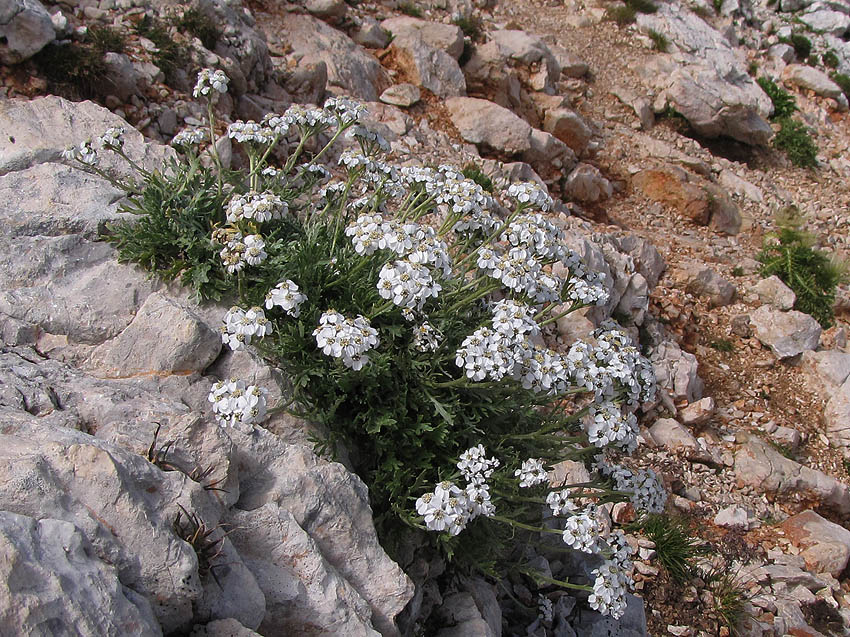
(112, 138)
(250, 132)
(530, 194)
(426, 337)
(255, 249)
(513, 319)
(287, 296)
(544, 604)
(407, 284)
(369, 140)
(345, 109)
(308, 120)
(608, 425)
(260, 207)
(211, 83)
(532, 473)
(475, 466)
(581, 532)
(240, 326)
(609, 590)
(368, 233)
(236, 403)
(84, 153)
(448, 508)
(560, 502)
(233, 254)
(189, 137)
(348, 339)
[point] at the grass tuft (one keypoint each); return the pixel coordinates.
(659, 41)
(677, 549)
(843, 81)
(794, 138)
(410, 8)
(199, 25)
(105, 39)
(784, 104)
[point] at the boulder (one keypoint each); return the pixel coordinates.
(369, 33)
(327, 9)
(759, 465)
(548, 152)
(772, 291)
(25, 29)
(121, 78)
(631, 624)
(350, 68)
(53, 583)
(427, 66)
(443, 37)
(825, 545)
(531, 52)
(223, 628)
(704, 281)
(569, 63)
(826, 20)
(826, 370)
(489, 125)
(462, 618)
(304, 594)
(807, 77)
(403, 95)
(586, 184)
(705, 78)
(676, 371)
(569, 127)
(165, 337)
(785, 333)
(836, 416)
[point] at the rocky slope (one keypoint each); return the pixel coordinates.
(753, 430)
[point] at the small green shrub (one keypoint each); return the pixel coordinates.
(621, 15)
(830, 59)
(677, 549)
(198, 24)
(802, 45)
(105, 39)
(784, 104)
(659, 41)
(168, 53)
(730, 598)
(471, 26)
(642, 6)
(737, 271)
(410, 8)
(795, 140)
(718, 5)
(843, 81)
(473, 172)
(722, 345)
(810, 273)
(72, 70)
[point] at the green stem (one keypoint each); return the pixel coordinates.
(539, 577)
(521, 525)
(213, 149)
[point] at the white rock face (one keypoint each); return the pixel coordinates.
(48, 562)
(676, 372)
(785, 333)
(774, 292)
(25, 29)
(825, 20)
(837, 418)
(427, 66)
(705, 78)
(736, 518)
(805, 76)
(444, 37)
(587, 184)
(490, 125)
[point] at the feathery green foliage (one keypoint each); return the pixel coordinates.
(795, 139)
(830, 59)
(677, 549)
(809, 272)
(784, 104)
(107, 39)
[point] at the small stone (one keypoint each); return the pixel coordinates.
(775, 293)
(698, 413)
(327, 8)
(740, 325)
(733, 517)
(403, 95)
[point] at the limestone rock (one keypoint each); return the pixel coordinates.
(569, 127)
(489, 125)
(837, 418)
(705, 78)
(533, 53)
(826, 545)
(805, 76)
(403, 95)
(826, 370)
(670, 434)
(331, 505)
(165, 337)
(327, 8)
(369, 33)
(25, 29)
(463, 618)
(785, 333)
(547, 152)
(631, 624)
(825, 20)
(444, 37)
(295, 577)
(676, 372)
(735, 518)
(697, 413)
(775, 293)
(759, 465)
(54, 584)
(223, 628)
(120, 77)
(587, 184)
(704, 281)
(427, 66)
(350, 68)
(569, 63)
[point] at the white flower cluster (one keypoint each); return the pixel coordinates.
(240, 326)
(461, 195)
(189, 137)
(345, 109)
(211, 83)
(348, 339)
(112, 138)
(475, 466)
(256, 206)
(582, 531)
(309, 120)
(648, 494)
(240, 251)
(287, 296)
(407, 284)
(84, 153)
(450, 508)
(370, 141)
(426, 338)
(538, 234)
(589, 289)
(531, 473)
(607, 424)
(560, 502)
(531, 194)
(513, 319)
(236, 403)
(609, 589)
(250, 132)
(477, 220)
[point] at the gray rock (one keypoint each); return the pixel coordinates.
(54, 584)
(705, 78)
(462, 617)
(370, 34)
(165, 337)
(645, 256)
(791, 438)
(547, 152)
(489, 125)
(825, 20)
(704, 281)
(736, 518)
(570, 64)
(319, 494)
(25, 29)
(697, 413)
(740, 186)
(631, 624)
(569, 127)
(587, 184)
(349, 67)
(807, 77)
(531, 52)
(403, 95)
(781, 51)
(427, 66)
(223, 628)
(785, 333)
(676, 372)
(759, 465)
(123, 504)
(121, 78)
(826, 370)
(836, 416)
(825, 545)
(668, 433)
(775, 293)
(295, 577)
(308, 81)
(327, 8)
(444, 37)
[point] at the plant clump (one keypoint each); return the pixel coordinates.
(810, 273)
(659, 41)
(843, 81)
(408, 307)
(795, 139)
